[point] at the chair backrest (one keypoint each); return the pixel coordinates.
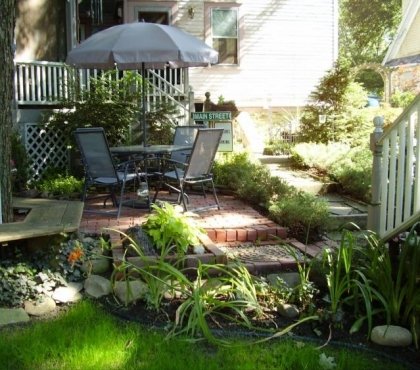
(184, 135)
(203, 153)
(95, 152)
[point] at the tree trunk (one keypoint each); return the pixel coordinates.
(7, 25)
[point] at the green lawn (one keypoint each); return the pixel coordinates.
(85, 338)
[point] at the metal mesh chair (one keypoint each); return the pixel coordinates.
(197, 169)
(184, 135)
(100, 169)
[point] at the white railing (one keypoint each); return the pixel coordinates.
(396, 173)
(46, 83)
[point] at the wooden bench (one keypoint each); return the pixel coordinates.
(46, 217)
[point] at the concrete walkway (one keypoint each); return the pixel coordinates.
(342, 209)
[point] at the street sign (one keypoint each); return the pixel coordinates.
(211, 116)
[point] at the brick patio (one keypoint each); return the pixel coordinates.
(234, 225)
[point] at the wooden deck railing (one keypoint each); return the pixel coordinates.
(41, 83)
(396, 173)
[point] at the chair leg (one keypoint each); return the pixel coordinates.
(183, 196)
(121, 199)
(214, 194)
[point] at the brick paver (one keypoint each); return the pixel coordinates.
(235, 223)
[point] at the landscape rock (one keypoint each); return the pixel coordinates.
(288, 310)
(292, 279)
(70, 293)
(199, 249)
(97, 265)
(13, 316)
(97, 286)
(40, 307)
(131, 291)
(391, 335)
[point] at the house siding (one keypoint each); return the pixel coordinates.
(411, 43)
(286, 46)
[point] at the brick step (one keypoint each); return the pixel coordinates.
(247, 234)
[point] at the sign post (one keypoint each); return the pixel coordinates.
(218, 120)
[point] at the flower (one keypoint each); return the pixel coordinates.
(75, 255)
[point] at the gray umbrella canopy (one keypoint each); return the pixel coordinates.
(129, 45)
(134, 46)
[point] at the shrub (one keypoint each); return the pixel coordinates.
(402, 99)
(319, 156)
(251, 180)
(304, 214)
(56, 182)
(350, 167)
(353, 172)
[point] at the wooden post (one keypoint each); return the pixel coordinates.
(374, 209)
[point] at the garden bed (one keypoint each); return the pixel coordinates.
(212, 255)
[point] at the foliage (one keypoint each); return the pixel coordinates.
(305, 292)
(20, 281)
(393, 270)
(320, 156)
(20, 165)
(251, 180)
(367, 28)
(349, 285)
(340, 100)
(402, 99)
(350, 167)
(110, 103)
(161, 123)
(353, 172)
(55, 183)
(222, 105)
(167, 226)
(111, 343)
(304, 214)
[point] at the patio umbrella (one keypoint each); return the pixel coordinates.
(134, 46)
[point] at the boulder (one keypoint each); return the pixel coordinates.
(12, 316)
(291, 279)
(97, 286)
(288, 310)
(96, 265)
(391, 335)
(70, 293)
(131, 291)
(40, 307)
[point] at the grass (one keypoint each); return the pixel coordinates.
(85, 337)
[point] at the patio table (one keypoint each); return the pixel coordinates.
(141, 150)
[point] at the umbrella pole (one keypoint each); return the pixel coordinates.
(143, 97)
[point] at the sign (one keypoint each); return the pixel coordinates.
(218, 120)
(211, 116)
(226, 142)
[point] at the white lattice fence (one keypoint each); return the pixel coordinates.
(45, 148)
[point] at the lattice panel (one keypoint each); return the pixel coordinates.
(45, 148)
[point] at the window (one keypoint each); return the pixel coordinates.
(224, 25)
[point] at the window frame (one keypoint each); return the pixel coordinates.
(209, 7)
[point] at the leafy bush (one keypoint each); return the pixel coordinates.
(353, 172)
(110, 103)
(304, 214)
(167, 226)
(402, 99)
(350, 167)
(318, 155)
(251, 180)
(56, 182)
